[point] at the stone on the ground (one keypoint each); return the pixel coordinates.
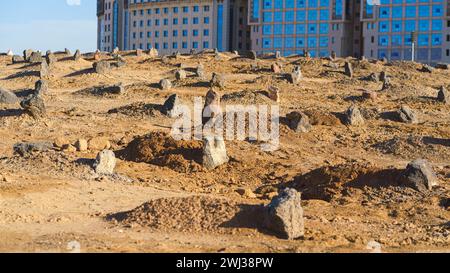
(81, 145)
(43, 70)
(306, 54)
(180, 74)
(60, 142)
(284, 215)
(214, 152)
(171, 106)
(35, 57)
(27, 54)
(299, 122)
(374, 77)
(427, 69)
(165, 84)
(10, 53)
(51, 58)
(277, 54)
(443, 66)
(369, 95)
(296, 75)
(407, 115)
(139, 52)
(17, 59)
(353, 116)
(77, 55)
(253, 55)
(116, 50)
(67, 51)
(212, 108)
(419, 175)
(333, 55)
(41, 87)
(8, 97)
(117, 89)
(386, 83)
(97, 56)
(25, 148)
(105, 163)
(34, 106)
(383, 76)
(102, 67)
(443, 95)
(276, 68)
(98, 144)
(200, 71)
(273, 93)
(348, 69)
(153, 52)
(218, 80)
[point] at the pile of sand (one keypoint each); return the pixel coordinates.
(138, 109)
(190, 214)
(161, 149)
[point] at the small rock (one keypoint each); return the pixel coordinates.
(27, 54)
(139, 52)
(81, 145)
(165, 84)
(443, 66)
(102, 67)
(61, 142)
(274, 93)
(32, 147)
(69, 148)
(67, 51)
(35, 57)
(246, 193)
(253, 55)
(43, 70)
(276, 68)
(8, 97)
(277, 55)
(407, 115)
(443, 95)
(200, 71)
(427, 69)
(299, 122)
(284, 215)
(212, 108)
(180, 75)
(369, 95)
(17, 59)
(333, 55)
(34, 106)
(214, 152)
(77, 55)
(354, 116)
(419, 175)
(105, 162)
(99, 143)
(153, 53)
(386, 83)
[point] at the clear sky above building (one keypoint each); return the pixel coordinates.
(48, 24)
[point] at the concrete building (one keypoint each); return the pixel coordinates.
(388, 29)
(173, 25)
(371, 28)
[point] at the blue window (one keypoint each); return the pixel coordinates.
(424, 25)
(267, 17)
(410, 25)
(312, 42)
(323, 41)
(289, 29)
(384, 12)
(312, 28)
(277, 43)
(410, 11)
(267, 29)
(195, 45)
(436, 25)
(278, 29)
(267, 43)
(205, 44)
(289, 16)
(437, 11)
(324, 15)
(323, 28)
(383, 40)
(424, 11)
(289, 42)
(423, 40)
(436, 39)
(300, 42)
(206, 32)
(300, 29)
(312, 15)
(383, 26)
(396, 26)
(206, 20)
(396, 40)
(174, 45)
(185, 33)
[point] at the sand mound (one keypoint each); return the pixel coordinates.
(139, 109)
(160, 149)
(190, 214)
(247, 97)
(332, 182)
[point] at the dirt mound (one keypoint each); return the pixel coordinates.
(160, 149)
(317, 117)
(247, 97)
(139, 109)
(333, 182)
(190, 214)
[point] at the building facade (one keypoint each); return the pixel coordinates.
(371, 28)
(390, 28)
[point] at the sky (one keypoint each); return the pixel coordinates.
(48, 25)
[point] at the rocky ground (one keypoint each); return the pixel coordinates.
(161, 198)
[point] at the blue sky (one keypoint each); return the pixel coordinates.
(48, 24)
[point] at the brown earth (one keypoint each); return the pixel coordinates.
(162, 200)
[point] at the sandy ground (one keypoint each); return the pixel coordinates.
(48, 200)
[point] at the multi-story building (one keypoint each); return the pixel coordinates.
(371, 28)
(173, 25)
(388, 30)
(291, 26)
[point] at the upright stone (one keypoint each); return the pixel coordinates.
(214, 152)
(296, 75)
(51, 59)
(35, 57)
(353, 116)
(212, 108)
(105, 162)
(7, 97)
(348, 69)
(253, 55)
(200, 71)
(171, 106)
(77, 55)
(180, 75)
(278, 55)
(44, 70)
(218, 80)
(274, 93)
(276, 68)
(139, 52)
(17, 59)
(284, 215)
(67, 52)
(333, 55)
(27, 54)
(443, 95)
(41, 87)
(153, 53)
(102, 67)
